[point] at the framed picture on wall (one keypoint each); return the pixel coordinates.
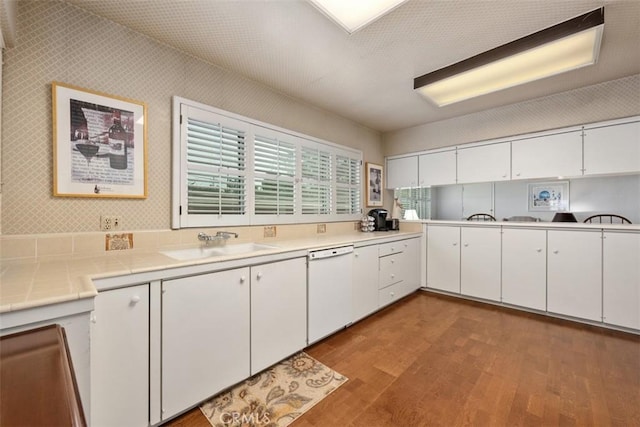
(375, 183)
(99, 144)
(548, 196)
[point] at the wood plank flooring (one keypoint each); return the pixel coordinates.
(433, 360)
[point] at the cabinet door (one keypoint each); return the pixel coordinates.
(402, 172)
(443, 258)
(484, 163)
(411, 264)
(612, 149)
(621, 279)
(278, 311)
(365, 282)
(437, 168)
(524, 268)
(205, 337)
(120, 358)
(574, 274)
(480, 263)
(547, 156)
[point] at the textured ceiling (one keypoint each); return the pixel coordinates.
(368, 76)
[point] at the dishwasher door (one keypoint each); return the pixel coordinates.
(330, 275)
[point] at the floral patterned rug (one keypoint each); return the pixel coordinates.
(276, 396)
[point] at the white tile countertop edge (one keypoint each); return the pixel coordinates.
(30, 283)
(538, 224)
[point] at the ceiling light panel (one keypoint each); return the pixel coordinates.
(353, 15)
(536, 60)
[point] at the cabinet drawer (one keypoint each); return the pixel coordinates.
(390, 248)
(391, 294)
(390, 270)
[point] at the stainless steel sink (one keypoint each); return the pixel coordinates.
(216, 251)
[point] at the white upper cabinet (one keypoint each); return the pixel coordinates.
(612, 149)
(437, 168)
(547, 156)
(402, 172)
(484, 163)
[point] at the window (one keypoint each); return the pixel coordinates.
(415, 199)
(348, 185)
(316, 181)
(230, 170)
(275, 166)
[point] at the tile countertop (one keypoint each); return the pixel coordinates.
(29, 283)
(538, 224)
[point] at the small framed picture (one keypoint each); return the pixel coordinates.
(99, 144)
(375, 180)
(548, 196)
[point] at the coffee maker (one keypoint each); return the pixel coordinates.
(380, 216)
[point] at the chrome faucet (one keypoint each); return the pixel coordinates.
(221, 236)
(226, 234)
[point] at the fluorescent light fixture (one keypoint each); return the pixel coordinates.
(564, 47)
(353, 15)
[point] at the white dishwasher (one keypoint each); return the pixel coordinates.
(329, 293)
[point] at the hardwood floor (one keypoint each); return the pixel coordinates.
(433, 360)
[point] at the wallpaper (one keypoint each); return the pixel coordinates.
(59, 42)
(609, 100)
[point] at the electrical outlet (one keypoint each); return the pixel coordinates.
(110, 222)
(322, 228)
(270, 231)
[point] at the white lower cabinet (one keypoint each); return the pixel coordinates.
(411, 263)
(524, 268)
(205, 336)
(480, 263)
(399, 270)
(574, 273)
(278, 311)
(621, 279)
(443, 258)
(365, 282)
(120, 358)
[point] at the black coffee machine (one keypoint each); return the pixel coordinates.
(380, 216)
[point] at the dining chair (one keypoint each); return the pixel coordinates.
(481, 217)
(607, 218)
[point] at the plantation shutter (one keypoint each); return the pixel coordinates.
(347, 185)
(275, 165)
(316, 181)
(215, 160)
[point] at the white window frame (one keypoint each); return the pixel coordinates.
(181, 219)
